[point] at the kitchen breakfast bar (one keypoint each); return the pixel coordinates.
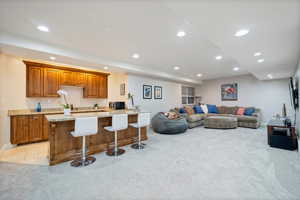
(64, 147)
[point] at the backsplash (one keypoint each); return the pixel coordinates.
(75, 97)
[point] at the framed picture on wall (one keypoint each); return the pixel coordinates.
(157, 92)
(122, 89)
(147, 92)
(229, 92)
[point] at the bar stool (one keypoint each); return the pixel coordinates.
(84, 126)
(143, 121)
(119, 122)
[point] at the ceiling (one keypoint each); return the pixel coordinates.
(107, 33)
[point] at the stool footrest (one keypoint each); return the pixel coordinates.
(112, 152)
(83, 162)
(137, 146)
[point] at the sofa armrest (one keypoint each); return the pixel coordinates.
(184, 115)
(258, 115)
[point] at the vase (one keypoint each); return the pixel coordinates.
(67, 111)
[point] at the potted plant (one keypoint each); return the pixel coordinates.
(66, 105)
(67, 109)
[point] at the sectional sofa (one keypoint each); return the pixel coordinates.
(194, 119)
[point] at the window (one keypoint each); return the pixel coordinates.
(188, 95)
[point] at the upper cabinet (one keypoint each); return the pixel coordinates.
(45, 80)
(34, 81)
(92, 85)
(51, 82)
(103, 87)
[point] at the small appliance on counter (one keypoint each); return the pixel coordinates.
(117, 105)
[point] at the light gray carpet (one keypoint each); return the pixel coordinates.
(200, 164)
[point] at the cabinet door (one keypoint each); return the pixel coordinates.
(51, 82)
(34, 81)
(91, 89)
(45, 129)
(36, 128)
(67, 77)
(80, 79)
(102, 86)
(19, 129)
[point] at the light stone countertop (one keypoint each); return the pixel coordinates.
(62, 117)
(53, 111)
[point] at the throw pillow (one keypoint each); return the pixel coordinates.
(204, 108)
(182, 110)
(212, 108)
(198, 109)
(249, 111)
(189, 110)
(240, 111)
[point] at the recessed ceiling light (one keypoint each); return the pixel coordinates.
(241, 32)
(181, 34)
(260, 60)
(43, 28)
(135, 56)
(106, 68)
(176, 68)
(270, 76)
(219, 57)
(52, 58)
(236, 69)
(257, 54)
(199, 75)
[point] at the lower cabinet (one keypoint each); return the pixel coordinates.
(28, 128)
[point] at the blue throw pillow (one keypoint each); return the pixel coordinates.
(212, 108)
(181, 110)
(198, 109)
(249, 111)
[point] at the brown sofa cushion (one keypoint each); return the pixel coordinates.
(228, 109)
(189, 110)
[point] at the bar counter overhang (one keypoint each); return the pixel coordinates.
(64, 147)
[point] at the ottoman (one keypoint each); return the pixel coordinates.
(222, 122)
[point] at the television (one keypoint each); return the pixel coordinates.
(294, 92)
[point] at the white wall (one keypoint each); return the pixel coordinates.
(269, 95)
(171, 94)
(13, 93)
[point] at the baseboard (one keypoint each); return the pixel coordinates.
(7, 146)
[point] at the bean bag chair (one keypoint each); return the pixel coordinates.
(161, 124)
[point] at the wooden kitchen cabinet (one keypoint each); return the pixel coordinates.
(44, 80)
(28, 128)
(45, 128)
(35, 127)
(34, 81)
(91, 89)
(102, 87)
(19, 129)
(51, 82)
(80, 79)
(67, 77)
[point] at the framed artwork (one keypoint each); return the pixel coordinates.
(147, 92)
(229, 92)
(157, 92)
(122, 89)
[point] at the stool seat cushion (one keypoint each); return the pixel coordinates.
(85, 126)
(136, 125)
(109, 128)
